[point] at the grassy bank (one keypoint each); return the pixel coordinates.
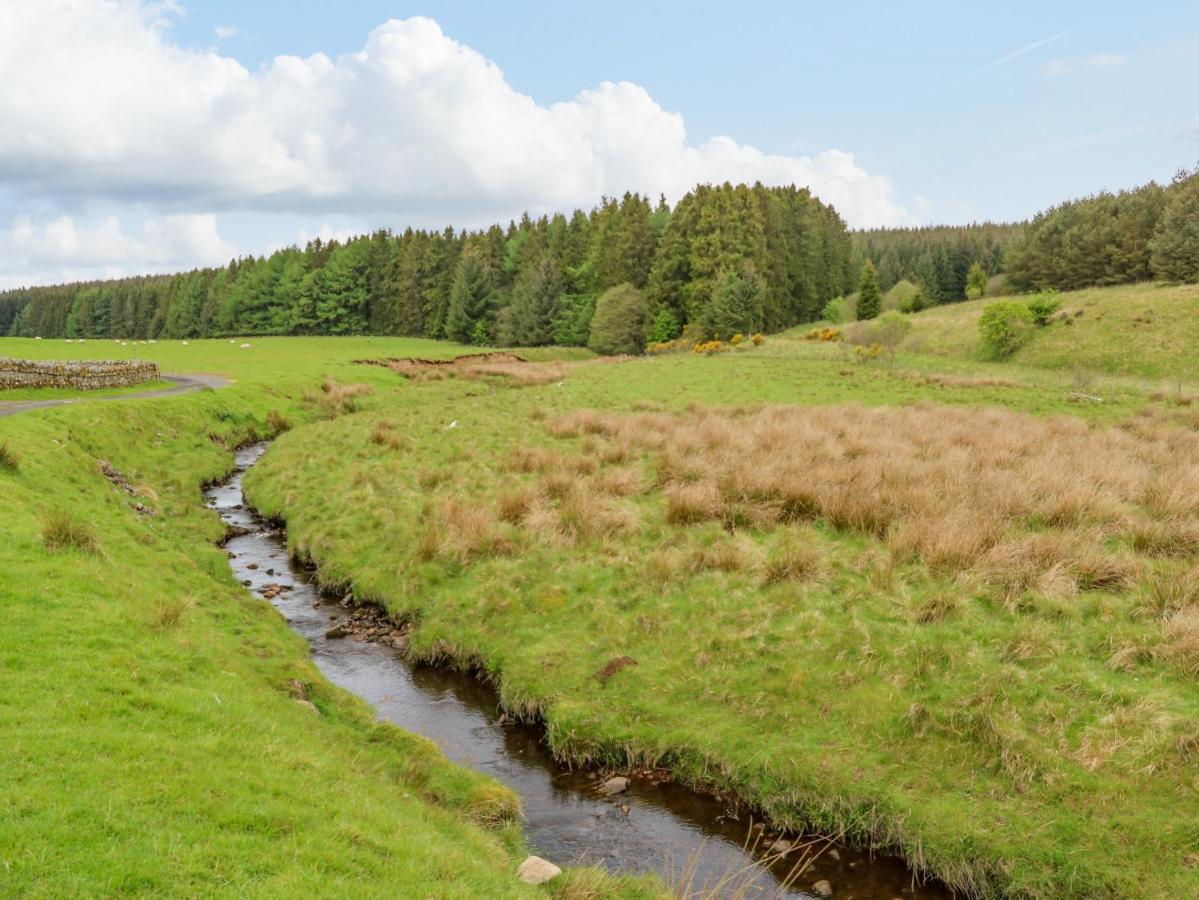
(163, 732)
(966, 635)
(1148, 331)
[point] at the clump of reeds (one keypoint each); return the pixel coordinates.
(384, 434)
(62, 531)
(9, 459)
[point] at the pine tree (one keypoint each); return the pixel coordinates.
(1175, 243)
(469, 312)
(870, 298)
(736, 305)
(534, 304)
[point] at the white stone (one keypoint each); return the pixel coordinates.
(536, 870)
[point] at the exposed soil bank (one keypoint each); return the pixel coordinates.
(651, 825)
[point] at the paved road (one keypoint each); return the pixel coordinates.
(181, 384)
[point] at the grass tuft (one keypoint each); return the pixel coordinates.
(61, 531)
(9, 460)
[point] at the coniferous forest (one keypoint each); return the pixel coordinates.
(536, 282)
(726, 258)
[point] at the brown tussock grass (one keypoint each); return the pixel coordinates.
(726, 555)
(9, 459)
(337, 399)
(383, 434)
(532, 459)
(622, 482)
(1180, 640)
(460, 533)
(1023, 502)
(794, 560)
(61, 531)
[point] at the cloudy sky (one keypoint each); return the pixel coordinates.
(154, 136)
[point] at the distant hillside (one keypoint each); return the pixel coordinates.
(1143, 330)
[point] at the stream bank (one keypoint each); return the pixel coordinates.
(572, 816)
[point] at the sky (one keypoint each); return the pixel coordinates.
(140, 136)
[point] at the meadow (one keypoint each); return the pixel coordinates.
(163, 731)
(943, 606)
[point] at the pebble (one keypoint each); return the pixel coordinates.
(822, 888)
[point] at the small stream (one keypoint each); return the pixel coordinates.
(653, 826)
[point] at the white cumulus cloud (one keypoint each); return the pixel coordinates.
(99, 105)
(163, 243)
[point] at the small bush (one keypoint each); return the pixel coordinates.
(665, 327)
(1043, 306)
(835, 311)
(1005, 326)
(62, 531)
(9, 460)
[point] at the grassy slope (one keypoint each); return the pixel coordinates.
(150, 740)
(1147, 331)
(798, 696)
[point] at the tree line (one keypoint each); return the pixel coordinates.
(748, 257)
(1136, 235)
(936, 258)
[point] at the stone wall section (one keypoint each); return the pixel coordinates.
(86, 375)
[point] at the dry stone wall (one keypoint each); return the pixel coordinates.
(86, 375)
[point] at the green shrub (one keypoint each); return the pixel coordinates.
(914, 302)
(1043, 306)
(619, 322)
(1005, 326)
(900, 294)
(976, 282)
(834, 311)
(665, 327)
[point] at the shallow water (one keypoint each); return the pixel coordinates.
(651, 827)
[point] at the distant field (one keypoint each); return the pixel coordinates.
(1147, 331)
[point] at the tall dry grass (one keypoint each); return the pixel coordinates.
(1017, 501)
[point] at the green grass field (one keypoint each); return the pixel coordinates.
(1007, 697)
(151, 737)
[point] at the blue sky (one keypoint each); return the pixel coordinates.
(937, 112)
(903, 86)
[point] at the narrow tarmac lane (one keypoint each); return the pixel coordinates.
(181, 384)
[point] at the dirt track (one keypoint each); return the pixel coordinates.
(182, 384)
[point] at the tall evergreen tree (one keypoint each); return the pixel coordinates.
(470, 310)
(870, 298)
(1175, 244)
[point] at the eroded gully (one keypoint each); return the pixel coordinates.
(651, 826)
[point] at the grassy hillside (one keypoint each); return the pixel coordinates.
(962, 628)
(1146, 331)
(149, 724)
